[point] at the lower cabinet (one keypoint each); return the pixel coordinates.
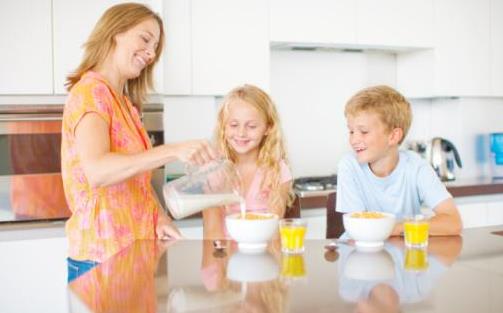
(481, 210)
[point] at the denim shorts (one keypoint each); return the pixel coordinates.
(77, 268)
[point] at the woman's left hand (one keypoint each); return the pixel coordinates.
(166, 230)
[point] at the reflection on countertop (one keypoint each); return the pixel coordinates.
(191, 276)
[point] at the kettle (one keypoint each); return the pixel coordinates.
(442, 154)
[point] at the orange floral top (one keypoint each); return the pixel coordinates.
(105, 219)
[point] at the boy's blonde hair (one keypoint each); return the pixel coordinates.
(272, 148)
(116, 20)
(393, 109)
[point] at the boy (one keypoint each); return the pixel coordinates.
(379, 177)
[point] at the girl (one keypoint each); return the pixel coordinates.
(248, 133)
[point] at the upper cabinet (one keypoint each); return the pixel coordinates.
(384, 24)
(460, 63)
(313, 21)
(394, 23)
(497, 48)
(213, 46)
(26, 53)
(73, 22)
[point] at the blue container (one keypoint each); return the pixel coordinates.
(496, 144)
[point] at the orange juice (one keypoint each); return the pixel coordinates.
(416, 259)
(292, 266)
(416, 233)
(292, 232)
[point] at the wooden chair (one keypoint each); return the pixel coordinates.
(335, 227)
(293, 211)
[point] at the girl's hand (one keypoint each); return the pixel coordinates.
(197, 152)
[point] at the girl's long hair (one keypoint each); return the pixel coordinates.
(272, 148)
(118, 19)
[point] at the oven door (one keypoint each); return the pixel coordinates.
(31, 187)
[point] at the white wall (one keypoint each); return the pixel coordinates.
(466, 122)
(310, 89)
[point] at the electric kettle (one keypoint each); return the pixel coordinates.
(442, 155)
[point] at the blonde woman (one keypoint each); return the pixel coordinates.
(106, 154)
(248, 133)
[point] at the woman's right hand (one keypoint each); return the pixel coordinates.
(196, 152)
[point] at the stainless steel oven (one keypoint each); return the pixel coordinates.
(30, 172)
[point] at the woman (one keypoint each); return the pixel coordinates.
(106, 153)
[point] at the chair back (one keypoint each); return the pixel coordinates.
(335, 226)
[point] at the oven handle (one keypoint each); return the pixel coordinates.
(30, 117)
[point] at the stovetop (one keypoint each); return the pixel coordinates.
(316, 183)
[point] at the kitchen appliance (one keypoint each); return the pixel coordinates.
(440, 153)
(496, 147)
(443, 157)
(31, 187)
(315, 183)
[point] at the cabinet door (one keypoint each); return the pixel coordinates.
(313, 21)
(26, 53)
(497, 48)
(462, 47)
(230, 45)
(473, 214)
(394, 23)
(73, 22)
(177, 62)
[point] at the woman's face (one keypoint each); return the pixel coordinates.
(245, 127)
(136, 48)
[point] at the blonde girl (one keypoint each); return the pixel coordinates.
(248, 133)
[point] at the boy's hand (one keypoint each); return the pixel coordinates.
(397, 230)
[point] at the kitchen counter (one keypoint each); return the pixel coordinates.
(458, 188)
(190, 276)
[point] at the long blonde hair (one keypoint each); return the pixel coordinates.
(272, 148)
(118, 19)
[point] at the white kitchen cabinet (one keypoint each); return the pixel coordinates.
(230, 45)
(460, 63)
(313, 21)
(394, 23)
(26, 53)
(384, 24)
(214, 46)
(177, 57)
(480, 211)
(497, 48)
(73, 21)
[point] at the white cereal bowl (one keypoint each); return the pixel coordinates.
(259, 267)
(252, 235)
(369, 266)
(369, 233)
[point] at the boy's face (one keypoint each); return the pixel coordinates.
(369, 137)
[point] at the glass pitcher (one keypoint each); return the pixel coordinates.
(212, 185)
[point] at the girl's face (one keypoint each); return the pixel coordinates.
(368, 137)
(135, 48)
(245, 128)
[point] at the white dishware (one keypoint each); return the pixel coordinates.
(369, 233)
(252, 235)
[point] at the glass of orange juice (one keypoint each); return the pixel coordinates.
(292, 232)
(292, 266)
(416, 259)
(416, 231)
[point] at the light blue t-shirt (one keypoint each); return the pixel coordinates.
(411, 185)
